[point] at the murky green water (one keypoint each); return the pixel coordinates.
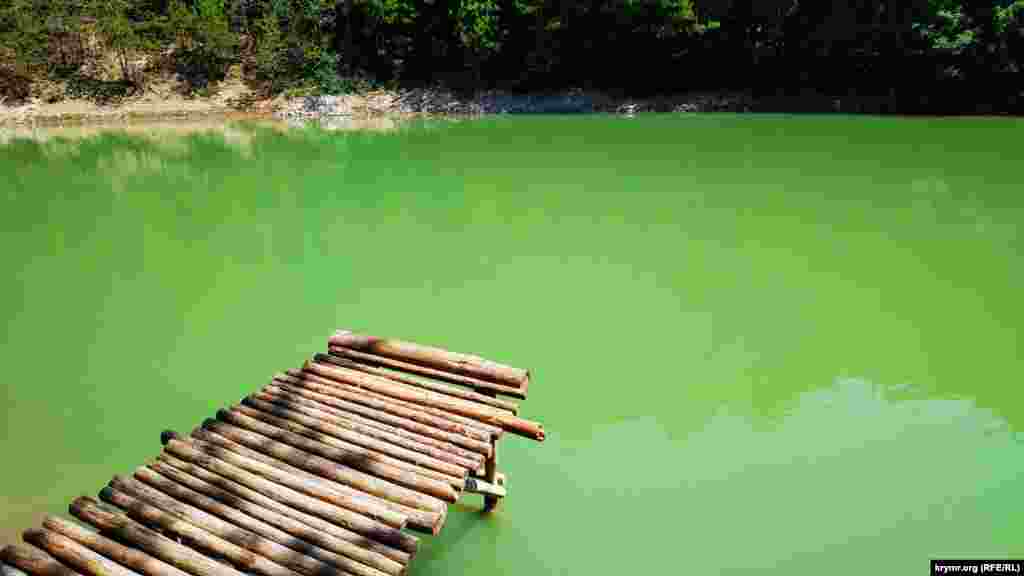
(785, 343)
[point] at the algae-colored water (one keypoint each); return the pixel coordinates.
(777, 343)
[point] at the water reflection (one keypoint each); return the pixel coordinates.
(847, 469)
(150, 130)
(168, 130)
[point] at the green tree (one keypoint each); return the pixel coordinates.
(205, 46)
(118, 34)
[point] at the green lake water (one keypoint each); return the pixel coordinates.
(783, 343)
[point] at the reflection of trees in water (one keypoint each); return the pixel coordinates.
(158, 132)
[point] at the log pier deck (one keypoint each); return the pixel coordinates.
(322, 472)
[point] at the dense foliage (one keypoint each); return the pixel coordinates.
(640, 46)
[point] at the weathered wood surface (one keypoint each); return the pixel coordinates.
(320, 520)
(335, 411)
(125, 529)
(73, 554)
(131, 557)
(358, 452)
(392, 369)
(321, 473)
(256, 525)
(458, 444)
(362, 508)
(469, 426)
(336, 391)
(311, 417)
(223, 462)
(476, 384)
(485, 414)
(339, 472)
(452, 453)
(34, 561)
(244, 532)
(439, 358)
(243, 558)
(401, 476)
(221, 502)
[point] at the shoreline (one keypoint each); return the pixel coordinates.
(436, 103)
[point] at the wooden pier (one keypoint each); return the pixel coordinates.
(325, 471)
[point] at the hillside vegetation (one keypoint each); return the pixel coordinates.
(957, 53)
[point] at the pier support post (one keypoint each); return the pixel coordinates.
(491, 475)
(491, 469)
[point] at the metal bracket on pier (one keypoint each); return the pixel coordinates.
(478, 486)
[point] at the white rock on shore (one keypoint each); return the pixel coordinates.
(437, 102)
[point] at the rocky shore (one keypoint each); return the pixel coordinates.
(429, 102)
(354, 111)
(377, 105)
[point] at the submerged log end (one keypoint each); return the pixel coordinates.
(107, 494)
(168, 435)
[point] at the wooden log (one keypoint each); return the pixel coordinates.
(454, 455)
(358, 452)
(408, 396)
(466, 364)
(440, 418)
(320, 519)
(125, 529)
(340, 413)
(320, 466)
(359, 505)
(401, 476)
(170, 523)
(308, 417)
(491, 501)
(223, 462)
(480, 431)
(185, 487)
(246, 532)
(314, 468)
(320, 486)
(74, 554)
(458, 444)
(381, 366)
(421, 520)
(34, 561)
(132, 558)
(353, 394)
(514, 424)
(256, 525)
(476, 384)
